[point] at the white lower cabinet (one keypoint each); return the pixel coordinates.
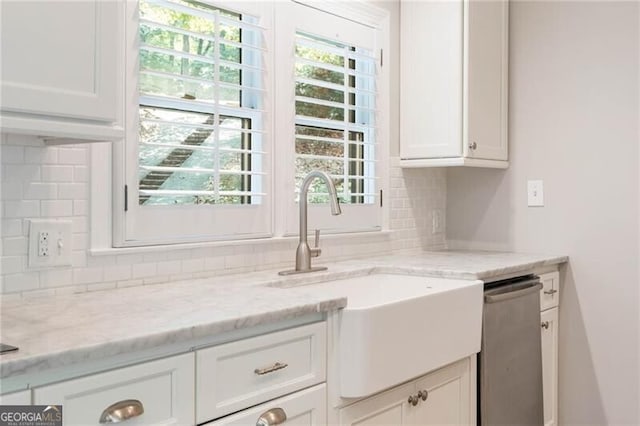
(441, 397)
(549, 305)
(549, 325)
(156, 392)
(307, 407)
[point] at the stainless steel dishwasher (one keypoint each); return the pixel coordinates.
(510, 361)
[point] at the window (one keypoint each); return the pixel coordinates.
(223, 106)
(200, 125)
(335, 106)
(334, 64)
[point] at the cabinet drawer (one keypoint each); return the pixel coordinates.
(550, 293)
(304, 408)
(165, 388)
(240, 374)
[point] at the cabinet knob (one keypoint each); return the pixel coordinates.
(424, 394)
(413, 400)
(275, 416)
(473, 145)
(121, 411)
(545, 325)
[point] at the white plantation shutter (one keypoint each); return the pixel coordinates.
(200, 122)
(334, 64)
(202, 130)
(335, 116)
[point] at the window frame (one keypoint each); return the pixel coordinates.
(154, 225)
(283, 219)
(354, 217)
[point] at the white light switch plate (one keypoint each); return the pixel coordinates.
(535, 193)
(49, 243)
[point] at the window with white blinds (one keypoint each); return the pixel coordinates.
(335, 117)
(200, 115)
(198, 144)
(332, 118)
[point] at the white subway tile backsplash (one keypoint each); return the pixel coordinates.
(21, 209)
(193, 265)
(52, 182)
(80, 207)
(25, 281)
(11, 264)
(117, 272)
(79, 258)
(73, 191)
(144, 270)
(20, 173)
(73, 155)
(81, 174)
(57, 173)
(11, 191)
(171, 267)
(88, 275)
(15, 246)
(11, 228)
(41, 155)
(13, 155)
(40, 191)
(56, 278)
(56, 208)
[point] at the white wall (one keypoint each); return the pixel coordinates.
(573, 123)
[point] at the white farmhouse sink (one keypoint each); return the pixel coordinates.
(396, 327)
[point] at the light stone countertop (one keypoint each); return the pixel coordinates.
(66, 330)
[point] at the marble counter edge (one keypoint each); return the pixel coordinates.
(40, 362)
(33, 364)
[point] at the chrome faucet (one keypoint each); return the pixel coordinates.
(304, 253)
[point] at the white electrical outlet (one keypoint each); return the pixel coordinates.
(43, 244)
(49, 243)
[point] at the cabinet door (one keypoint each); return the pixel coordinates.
(549, 325)
(156, 392)
(431, 79)
(303, 408)
(448, 400)
(388, 408)
(486, 50)
(59, 58)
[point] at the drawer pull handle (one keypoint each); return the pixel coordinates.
(275, 416)
(275, 367)
(552, 291)
(545, 325)
(122, 411)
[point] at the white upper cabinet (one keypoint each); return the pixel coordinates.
(453, 83)
(60, 68)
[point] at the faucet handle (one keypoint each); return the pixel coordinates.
(316, 250)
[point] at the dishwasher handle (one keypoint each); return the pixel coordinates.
(513, 291)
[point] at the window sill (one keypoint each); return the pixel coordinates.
(110, 251)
